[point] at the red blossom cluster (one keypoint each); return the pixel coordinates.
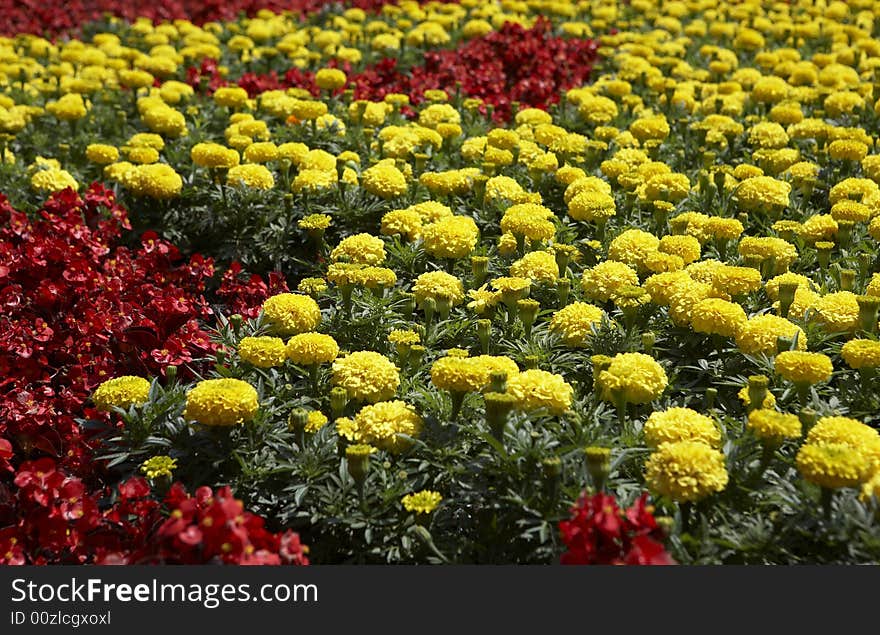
(213, 526)
(54, 17)
(79, 308)
(599, 532)
(515, 64)
(244, 294)
(58, 521)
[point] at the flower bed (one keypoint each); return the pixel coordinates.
(443, 283)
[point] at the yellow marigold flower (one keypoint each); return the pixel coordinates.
(662, 286)
(686, 471)
(530, 220)
(121, 392)
(291, 313)
(231, 97)
(264, 351)
(426, 501)
(213, 155)
(158, 467)
(165, 120)
(316, 421)
(861, 353)
(695, 224)
(483, 299)
(833, 465)
(435, 114)
(330, 78)
(142, 155)
(874, 229)
(635, 376)
(801, 367)
(261, 152)
(653, 127)
(135, 79)
(533, 117)
(852, 211)
(469, 374)
(400, 336)
(759, 334)
(451, 237)
(592, 206)
(846, 431)
(804, 299)
(69, 108)
(311, 348)
(346, 429)
(842, 102)
(537, 266)
(504, 188)
(507, 244)
(384, 180)
(430, 211)
(367, 376)
(770, 89)
(847, 150)
(803, 173)
(774, 427)
(715, 316)
(838, 312)
(680, 424)
(818, 228)
(53, 180)
(406, 222)
(600, 282)
(221, 402)
(437, 284)
(736, 280)
(684, 298)
(871, 167)
(364, 249)
(762, 193)
(768, 134)
(596, 109)
(158, 181)
(146, 139)
(861, 190)
(318, 222)
(686, 247)
(101, 154)
(574, 322)
(671, 187)
(584, 184)
(294, 152)
(308, 109)
(389, 425)
(632, 247)
(255, 176)
(536, 389)
(764, 247)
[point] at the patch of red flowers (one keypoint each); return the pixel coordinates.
(514, 64)
(54, 17)
(60, 522)
(79, 308)
(600, 532)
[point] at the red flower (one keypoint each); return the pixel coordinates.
(600, 533)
